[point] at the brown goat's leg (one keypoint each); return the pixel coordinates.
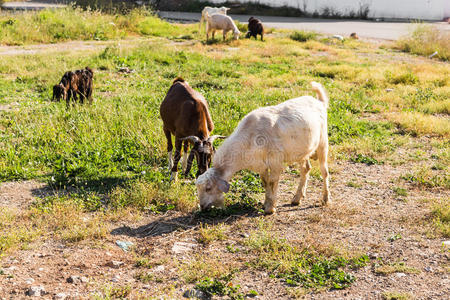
(176, 160)
(189, 163)
(271, 192)
(301, 191)
(169, 147)
(262, 34)
(185, 154)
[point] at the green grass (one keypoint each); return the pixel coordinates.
(111, 154)
(441, 217)
(303, 36)
(301, 267)
(51, 26)
(221, 286)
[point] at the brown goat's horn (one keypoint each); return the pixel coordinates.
(192, 138)
(213, 137)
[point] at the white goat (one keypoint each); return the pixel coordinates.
(292, 131)
(220, 22)
(212, 10)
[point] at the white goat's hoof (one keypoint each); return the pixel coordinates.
(174, 176)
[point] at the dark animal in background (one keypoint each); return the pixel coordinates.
(81, 85)
(185, 115)
(61, 90)
(77, 84)
(255, 27)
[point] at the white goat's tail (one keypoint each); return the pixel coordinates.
(320, 91)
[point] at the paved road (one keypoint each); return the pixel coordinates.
(30, 5)
(365, 29)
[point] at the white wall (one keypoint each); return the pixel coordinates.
(398, 9)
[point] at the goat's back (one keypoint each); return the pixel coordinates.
(289, 131)
(184, 111)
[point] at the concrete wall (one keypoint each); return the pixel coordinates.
(396, 9)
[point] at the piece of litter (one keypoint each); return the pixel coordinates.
(339, 37)
(434, 54)
(124, 245)
(181, 247)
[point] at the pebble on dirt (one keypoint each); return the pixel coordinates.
(114, 264)
(35, 291)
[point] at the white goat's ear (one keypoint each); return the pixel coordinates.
(223, 185)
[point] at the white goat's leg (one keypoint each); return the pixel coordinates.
(322, 155)
(301, 191)
(271, 192)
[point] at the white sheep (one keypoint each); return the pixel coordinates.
(212, 10)
(220, 22)
(292, 131)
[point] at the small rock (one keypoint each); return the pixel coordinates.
(124, 245)
(446, 243)
(389, 90)
(126, 70)
(36, 291)
(116, 278)
(428, 269)
(84, 279)
(181, 247)
(60, 296)
(353, 35)
(244, 235)
(400, 275)
(108, 254)
(194, 294)
(114, 264)
(29, 281)
(159, 268)
(74, 279)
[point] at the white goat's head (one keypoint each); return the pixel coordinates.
(210, 189)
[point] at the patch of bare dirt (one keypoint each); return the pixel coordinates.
(361, 219)
(22, 193)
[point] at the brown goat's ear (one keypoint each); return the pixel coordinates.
(223, 185)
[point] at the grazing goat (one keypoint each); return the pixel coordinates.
(212, 10)
(81, 85)
(220, 22)
(185, 114)
(292, 131)
(255, 27)
(61, 90)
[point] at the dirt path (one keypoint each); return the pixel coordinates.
(71, 46)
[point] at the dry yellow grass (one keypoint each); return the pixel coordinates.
(418, 123)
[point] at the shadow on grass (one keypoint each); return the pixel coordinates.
(228, 215)
(102, 186)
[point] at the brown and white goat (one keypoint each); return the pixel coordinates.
(185, 115)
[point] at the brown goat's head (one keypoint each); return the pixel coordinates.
(59, 92)
(203, 151)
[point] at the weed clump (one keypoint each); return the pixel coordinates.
(303, 36)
